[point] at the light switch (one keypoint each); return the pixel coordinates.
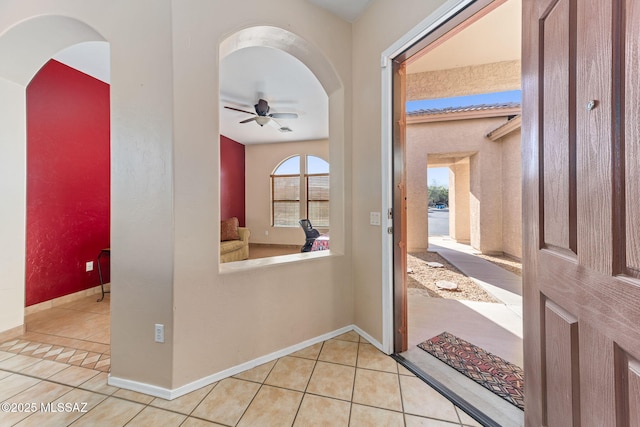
(374, 218)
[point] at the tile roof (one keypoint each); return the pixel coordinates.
(469, 108)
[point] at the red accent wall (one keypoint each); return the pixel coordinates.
(232, 179)
(68, 172)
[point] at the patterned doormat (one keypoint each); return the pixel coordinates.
(492, 372)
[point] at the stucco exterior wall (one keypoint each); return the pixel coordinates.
(477, 213)
(473, 80)
(512, 197)
(459, 195)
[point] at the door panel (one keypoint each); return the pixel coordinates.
(558, 144)
(581, 195)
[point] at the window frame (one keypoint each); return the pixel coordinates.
(303, 190)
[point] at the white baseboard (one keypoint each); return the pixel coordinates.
(170, 394)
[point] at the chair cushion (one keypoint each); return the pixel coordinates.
(229, 229)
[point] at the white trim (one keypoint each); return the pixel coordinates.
(430, 23)
(170, 394)
(369, 338)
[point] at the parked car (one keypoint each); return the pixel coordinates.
(440, 206)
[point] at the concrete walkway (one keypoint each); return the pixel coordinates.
(500, 283)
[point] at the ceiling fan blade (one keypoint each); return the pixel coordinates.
(284, 115)
(252, 119)
(242, 111)
(262, 107)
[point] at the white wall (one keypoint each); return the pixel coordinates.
(165, 204)
(383, 24)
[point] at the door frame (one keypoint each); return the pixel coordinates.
(428, 25)
(449, 19)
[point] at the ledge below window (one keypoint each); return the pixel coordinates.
(250, 264)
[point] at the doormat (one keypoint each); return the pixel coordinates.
(490, 371)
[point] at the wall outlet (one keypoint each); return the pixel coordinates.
(159, 332)
(89, 266)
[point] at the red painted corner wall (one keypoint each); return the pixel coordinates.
(68, 172)
(232, 179)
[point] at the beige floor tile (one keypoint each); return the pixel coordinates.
(257, 374)
(133, 396)
(415, 421)
(111, 412)
(366, 416)
(349, 336)
(64, 418)
(41, 393)
(44, 369)
(66, 342)
(195, 422)
(370, 357)
(466, 420)
(272, 406)
(5, 355)
(14, 384)
(73, 376)
(310, 352)
(99, 384)
(156, 417)
(420, 399)
(336, 351)
(379, 389)
(291, 372)
(322, 411)
(227, 401)
(18, 363)
(4, 374)
(332, 380)
(183, 404)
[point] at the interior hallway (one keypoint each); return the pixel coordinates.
(345, 381)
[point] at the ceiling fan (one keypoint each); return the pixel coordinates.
(262, 116)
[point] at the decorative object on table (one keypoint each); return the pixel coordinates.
(490, 371)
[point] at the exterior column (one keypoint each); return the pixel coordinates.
(459, 190)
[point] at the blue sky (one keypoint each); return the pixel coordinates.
(439, 175)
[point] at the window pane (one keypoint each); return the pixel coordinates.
(286, 188)
(290, 166)
(318, 187)
(286, 214)
(318, 199)
(317, 165)
(319, 213)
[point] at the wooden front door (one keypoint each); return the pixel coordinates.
(581, 171)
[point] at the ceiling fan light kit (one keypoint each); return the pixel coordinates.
(262, 116)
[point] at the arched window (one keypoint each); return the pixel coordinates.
(300, 189)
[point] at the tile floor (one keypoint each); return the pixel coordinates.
(343, 381)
